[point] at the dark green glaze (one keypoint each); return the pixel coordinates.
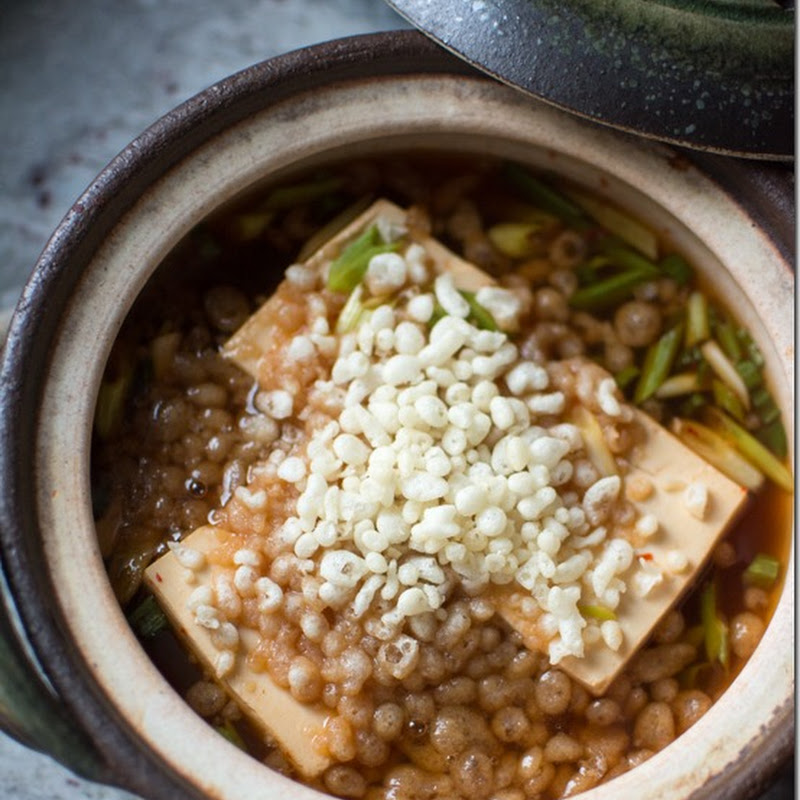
(708, 74)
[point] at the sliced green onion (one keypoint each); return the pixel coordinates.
(691, 676)
(284, 197)
(480, 316)
(725, 370)
(351, 311)
(147, 619)
(594, 441)
(347, 271)
(516, 239)
(726, 399)
(608, 292)
(751, 448)
(726, 336)
(625, 377)
(689, 358)
(246, 227)
(438, 313)
(763, 571)
(692, 404)
(715, 449)
(628, 259)
(658, 363)
(750, 373)
(678, 268)
(766, 407)
(714, 627)
(680, 384)
(753, 350)
(111, 400)
(617, 222)
(231, 734)
(597, 612)
(773, 436)
(697, 324)
(544, 196)
(332, 227)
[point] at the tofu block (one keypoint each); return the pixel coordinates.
(297, 728)
(670, 467)
(247, 345)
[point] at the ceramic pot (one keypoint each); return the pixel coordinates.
(112, 715)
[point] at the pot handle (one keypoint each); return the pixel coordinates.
(30, 710)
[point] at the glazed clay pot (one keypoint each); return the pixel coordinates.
(369, 94)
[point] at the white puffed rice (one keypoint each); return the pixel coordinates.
(188, 557)
(434, 469)
(696, 499)
(386, 273)
(278, 403)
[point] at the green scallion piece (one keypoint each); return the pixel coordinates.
(762, 571)
(111, 400)
(608, 292)
(516, 239)
(658, 363)
(438, 313)
(718, 451)
(333, 226)
(597, 612)
(545, 197)
(751, 448)
(284, 197)
(692, 404)
(480, 316)
(773, 437)
(750, 346)
(689, 358)
(764, 405)
(677, 268)
(697, 325)
(147, 619)
(680, 384)
(726, 399)
(247, 227)
(617, 222)
(627, 258)
(750, 373)
(726, 336)
(625, 377)
(231, 734)
(351, 311)
(347, 271)
(714, 628)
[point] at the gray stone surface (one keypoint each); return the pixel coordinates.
(78, 80)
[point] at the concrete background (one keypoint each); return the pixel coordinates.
(78, 80)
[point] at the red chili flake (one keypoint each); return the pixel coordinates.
(159, 578)
(646, 556)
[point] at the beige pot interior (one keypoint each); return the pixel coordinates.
(384, 114)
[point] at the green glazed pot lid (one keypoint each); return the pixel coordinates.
(715, 75)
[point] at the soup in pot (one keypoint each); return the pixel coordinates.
(404, 454)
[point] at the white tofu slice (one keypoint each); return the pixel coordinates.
(670, 467)
(254, 338)
(298, 729)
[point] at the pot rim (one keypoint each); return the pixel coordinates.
(46, 298)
